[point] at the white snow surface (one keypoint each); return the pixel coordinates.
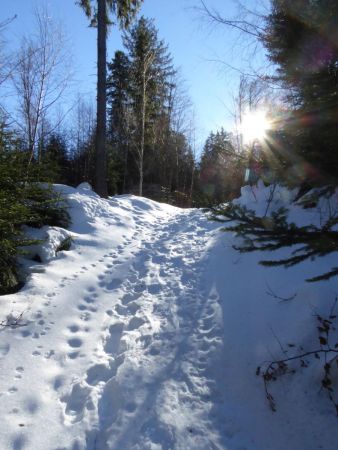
(146, 335)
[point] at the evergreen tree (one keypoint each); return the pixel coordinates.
(145, 114)
(55, 161)
(124, 11)
(119, 113)
(151, 69)
(301, 39)
(22, 202)
(221, 168)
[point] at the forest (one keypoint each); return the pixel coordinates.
(159, 290)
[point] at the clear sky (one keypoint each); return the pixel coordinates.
(192, 42)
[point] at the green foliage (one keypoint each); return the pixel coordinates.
(300, 38)
(123, 10)
(141, 89)
(270, 233)
(54, 163)
(65, 245)
(221, 169)
(21, 203)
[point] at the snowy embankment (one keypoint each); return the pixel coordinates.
(148, 332)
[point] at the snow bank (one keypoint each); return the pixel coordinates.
(264, 200)
(52, 239)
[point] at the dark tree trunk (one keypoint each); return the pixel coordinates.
(101, 154)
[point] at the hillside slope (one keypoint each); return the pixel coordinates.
(147, 335)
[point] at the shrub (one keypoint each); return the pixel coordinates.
(22, 202)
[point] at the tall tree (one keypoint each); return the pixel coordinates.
(151, 69)
(301, 38)
(119, 111)
(221, 169)
(124, 11)
(39, 77)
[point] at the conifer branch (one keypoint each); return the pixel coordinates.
(270, 233)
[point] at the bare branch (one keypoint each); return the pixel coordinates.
(244, 26)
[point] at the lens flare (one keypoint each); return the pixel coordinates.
(254, 126)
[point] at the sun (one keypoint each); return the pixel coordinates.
(254, 126)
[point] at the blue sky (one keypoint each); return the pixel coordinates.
(192, 42)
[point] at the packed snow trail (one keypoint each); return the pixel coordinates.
(122, 382)
(146, 335)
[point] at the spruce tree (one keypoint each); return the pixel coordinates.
(151, 69)
(221, 168)
(22, 202)
(301, 40)
(55, 161)
(119, 112)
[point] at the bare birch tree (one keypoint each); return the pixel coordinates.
(40, 77)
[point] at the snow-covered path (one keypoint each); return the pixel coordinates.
(120, 345)
(144, 336)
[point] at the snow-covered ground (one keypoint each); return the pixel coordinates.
(146, 335)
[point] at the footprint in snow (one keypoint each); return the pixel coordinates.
(113, 341)
(86, 316)
(19, 371)
(19, 441)
(121, 310)
(140, 287)
(110, 403)
(127, 298)
(49, 354)
(113, 284)
(24, 333)
(58, 382)
(154, 289)
(154, 351)
(75, 342)
(31, 405)
(76, 402)
(73, 328)
(130, 407)
(13, 389)
(135, 322)
(98, 373)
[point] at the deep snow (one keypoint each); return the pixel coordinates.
(148, 332)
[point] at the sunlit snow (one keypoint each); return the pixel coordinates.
(146, 335)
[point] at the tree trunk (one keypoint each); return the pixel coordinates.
(192, 183)
(101, 154)
(143, 121)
